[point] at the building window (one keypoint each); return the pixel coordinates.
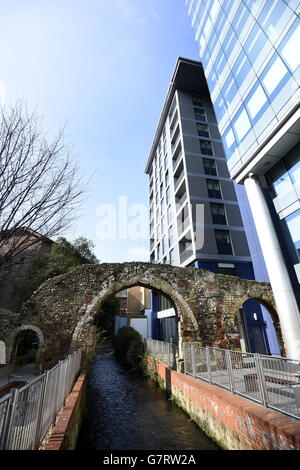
(285, 173)
(206, 148)
(158, 251)
(202, 130)
(223, 242)
(292, 223)
(171, 240)
(209, 167)
(167, 178)
(164, 245)
(197, 101)
(172, 257)
(200, 115)
(218, 214)
(169, 215)
(213, 188)
(168, 196)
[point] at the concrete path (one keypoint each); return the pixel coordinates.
(24, 374)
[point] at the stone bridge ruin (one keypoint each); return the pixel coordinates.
(62, 311)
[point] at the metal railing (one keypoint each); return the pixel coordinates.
(271, 381)
(27, 413)
(165, 352)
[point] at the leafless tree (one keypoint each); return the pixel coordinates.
(41, 186)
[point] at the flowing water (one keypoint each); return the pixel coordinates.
(130, 412)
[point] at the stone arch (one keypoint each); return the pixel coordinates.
(12, 338)
(181, 306)
(64, 307)
(269, 304)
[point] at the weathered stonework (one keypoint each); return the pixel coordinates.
(64, 308)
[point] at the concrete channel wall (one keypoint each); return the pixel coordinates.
(65, 432)
(233, 422)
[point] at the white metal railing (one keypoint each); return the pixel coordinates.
(271, 381)
(26, 414)
(165, 352)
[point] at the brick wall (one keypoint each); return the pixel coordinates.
(232, 421)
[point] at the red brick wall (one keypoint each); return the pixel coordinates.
(234, 422)
(67, 426)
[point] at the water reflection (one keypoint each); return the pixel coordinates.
(130, 412)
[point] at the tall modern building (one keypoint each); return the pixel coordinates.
(194, 213)
(249, 52)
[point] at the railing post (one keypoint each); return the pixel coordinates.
(229, 368)
(184, 357)
(40, 413)
(261, 380)
(193, 361)
(208, 363)
(15, 393)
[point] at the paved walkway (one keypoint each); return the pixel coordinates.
(24, 374)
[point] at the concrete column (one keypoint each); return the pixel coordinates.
(287, 307)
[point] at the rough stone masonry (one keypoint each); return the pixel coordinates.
(64, 308)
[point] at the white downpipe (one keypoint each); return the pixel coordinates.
(287, 307)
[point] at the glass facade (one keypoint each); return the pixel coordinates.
(249, 51)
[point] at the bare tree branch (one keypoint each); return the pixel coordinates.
(41, 188)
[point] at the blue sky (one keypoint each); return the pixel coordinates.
(103, 68)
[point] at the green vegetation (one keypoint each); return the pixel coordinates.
(63, 257)
(106, 313)
(129, 348)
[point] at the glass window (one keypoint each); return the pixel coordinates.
(209, 166)
(240, 19)
(229, 90)
(241, 68)
(227, 6)
(256, 102)
(202, 130)
(214, 10)
(212, 79)
(220, 62)
(229, 142)
(200, 115)
(223, 242)
(255, 43)
(169, 215)
(167, 178)
(165, 148)
(229, 42)
(269, 19)
(278, 179)
(289, 47)
(292, 163)
(218, 213)
(206, 148)
(274, 75)
(241, 124)
(168, 196)
(197, 101)
(293, 225)
(286, 172)
(164, 245)
(220, 107)
(170, 236)
(213, 188)
(172, 257)
(219, 24)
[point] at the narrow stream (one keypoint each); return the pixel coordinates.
(130, 412)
